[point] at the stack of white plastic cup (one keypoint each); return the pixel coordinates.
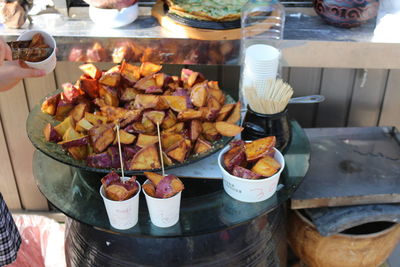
(261, 64)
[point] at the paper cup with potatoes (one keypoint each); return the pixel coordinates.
(121, 199)
(251, 170)
(163, 198)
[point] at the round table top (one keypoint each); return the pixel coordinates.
(205, 207)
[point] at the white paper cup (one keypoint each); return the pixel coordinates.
(248, 190)
(122, 214)
(262, 61)
(164, 212)
(49, 64)
(114, 18)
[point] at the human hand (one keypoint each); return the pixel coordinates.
(5, 52)
(11, 72)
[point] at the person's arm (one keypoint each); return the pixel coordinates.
(11, 72)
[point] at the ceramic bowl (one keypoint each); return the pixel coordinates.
(114, 18)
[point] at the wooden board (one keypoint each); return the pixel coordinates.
(367, 97)
(14, 111)
(391, 107)
(350, 166)
(200, 34)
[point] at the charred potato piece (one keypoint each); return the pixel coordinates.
(189, 114)
(155, 116)
(170, 139)
(176, 103)
(178, 151)
(112, 77)
(149, 189)
(63, 109)
(195, 129)
(128, 94)
(89, 85)
(177, 128)
(78, 112)
(110, 95)
(145, 140)
(169, 120)
(95, 119)
(235, 116)
(224, 112)
(50, 134)
(125, 138)
(234, 156)
(49, 106)
(245, 173)
(129, 72)
(199, 95)
(210, 133)
(70, 92)
(202, 146)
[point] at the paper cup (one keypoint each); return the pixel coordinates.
(262, 61)
(122, 214)
(49, 64)
(114, 18)
(247, 190)
(164, 212)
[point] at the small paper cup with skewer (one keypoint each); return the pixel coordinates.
(163, 197)
(121, 199)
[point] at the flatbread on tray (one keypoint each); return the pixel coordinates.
(209, 10)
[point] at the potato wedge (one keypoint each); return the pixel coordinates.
(260, 147)
(145, 140)
(149, 126)
(177, 128)
(110, 95)
(147, 83)
(212, 103)
(149, 189)
(234, 156)
(64, 125)
(155, 116)
(225, 111)
(49, 106)
(167, 160)
(91, 70)
(169, 120)
(89, 85)
(228, 129)
(148, 68)
(217, 94)
(266, 166)
(235, 115)
(146, 101)
(78, 152)
(50, 134)
(101, 136)
(78, 112)
(145, 159)
(113, 114)
(112, 77)
(154, 178)
(178, 151)
(202, 146)
(70, 92)
(79, 141)
(83, 125)
(195, 129)
(199, 95)
(176, 103)
(63, 109)
(245, 173)
(170, 139)
(95, 119)
(130, 73)
(125, 138)
(189, 114)
(128, 94)
(71, 134)
(209, 132)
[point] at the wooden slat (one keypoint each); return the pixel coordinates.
(336, 86)
(367, 100)
(14, 111)
(8, 186)
(305, 81)
(37, 88)
(390, 114)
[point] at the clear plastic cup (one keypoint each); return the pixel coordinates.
(122, 214)
(164, 212)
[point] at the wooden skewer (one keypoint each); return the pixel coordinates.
(159, 144)
(120, 154)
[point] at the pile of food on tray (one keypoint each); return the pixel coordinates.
(190, 110)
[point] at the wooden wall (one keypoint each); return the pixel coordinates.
(353, 98)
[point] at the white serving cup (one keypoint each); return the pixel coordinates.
(164, 212)
(248, 190)
(49, 64)
(114, 18)
(122, 214)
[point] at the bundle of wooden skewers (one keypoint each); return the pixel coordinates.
(269, 97)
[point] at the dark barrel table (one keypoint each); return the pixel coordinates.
(214, 229)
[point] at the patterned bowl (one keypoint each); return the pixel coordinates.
(346, 13)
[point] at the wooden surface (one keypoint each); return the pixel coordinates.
(377, 103)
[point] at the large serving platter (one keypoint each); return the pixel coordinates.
(37, 120)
